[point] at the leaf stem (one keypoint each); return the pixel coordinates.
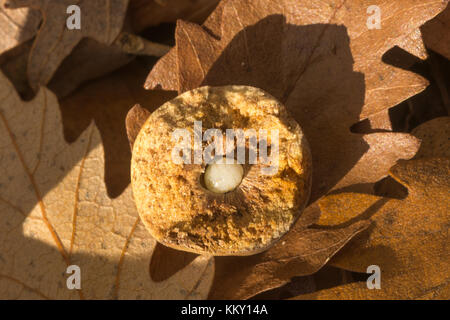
(134, 44)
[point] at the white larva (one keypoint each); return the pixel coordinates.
(221, 177)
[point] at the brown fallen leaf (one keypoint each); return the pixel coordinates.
(435, 137)
(85, 59)
(102, 21)
(326, 277)
(136, 117)
(164, 73)
(408, 240)
(17, 26)
(392, 290)
(436, 33)
(321, 12)
(13, 64)
(302, 251)
(55, 212)
(89, 60)
(107, 100)
(413, 44)
(322, 61)
(147, 13)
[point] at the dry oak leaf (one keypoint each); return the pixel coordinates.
(350, 13)
(164, 73)
(163, 77)
(409, 238)
(106, 100)
(435, 137)
(305, 58)
(101, 20)
(17, 26)
(302, 251)
(55, 212)
(318, 58)
(436, 33)
(393, 290)
(89, 60)
(147, 13)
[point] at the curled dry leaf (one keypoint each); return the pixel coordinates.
(135, 119)
(17, 26)
(408, 240)
(436, 33)
(55, 212)
(102, 21)
(322, 62)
